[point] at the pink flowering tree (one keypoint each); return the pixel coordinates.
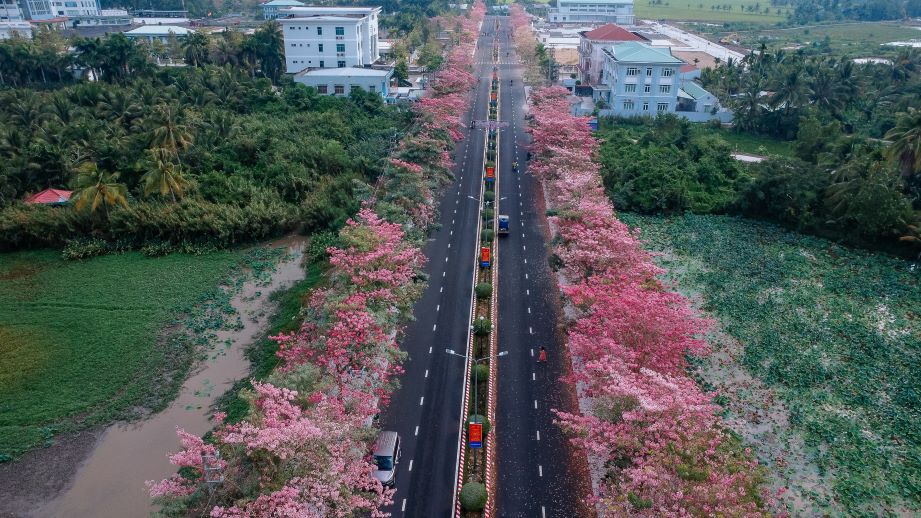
(653, 432)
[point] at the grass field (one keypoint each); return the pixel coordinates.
(752, 144)
(835, 332)
(83, 342)
(854, 39)
(705, 10)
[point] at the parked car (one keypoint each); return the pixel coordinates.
(386, 457)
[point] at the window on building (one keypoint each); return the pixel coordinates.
(355, 88)
(662, 107)
(630, 88)
(323, 89)
(319, 47)
(340, 47)
(322, 64)
(340, 89)
(340, 64)
(645, 107)
(319, 31)
(340, 31)
(647, 88)
(665, 89)
(628, 106)
(633, 71)
(294, 44)
(668, 72)
(648, 71)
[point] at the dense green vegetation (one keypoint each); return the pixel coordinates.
(84, 341)
(834, 330)
(213, 154)
(849, 191)
(666, 167)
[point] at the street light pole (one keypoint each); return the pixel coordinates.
(476, 381)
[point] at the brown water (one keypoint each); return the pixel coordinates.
(110, 482)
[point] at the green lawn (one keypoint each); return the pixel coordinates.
(80, 341)
(835, 331)
(704, 10)
(752, 144)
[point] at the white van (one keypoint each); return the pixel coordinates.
(386, 457)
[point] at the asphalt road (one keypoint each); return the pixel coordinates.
(426, 409)
(538, 475)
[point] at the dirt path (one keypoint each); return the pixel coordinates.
(101, 473)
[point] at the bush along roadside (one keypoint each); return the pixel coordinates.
(476, 480)
(302, 447)
(653, 436)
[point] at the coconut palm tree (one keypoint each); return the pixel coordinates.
(168, 132)
(906, 143)
(97, 188)
(164, 177)
(195, 48)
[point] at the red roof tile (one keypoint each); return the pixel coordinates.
(50, 196)
(687, 67)
(612, 32)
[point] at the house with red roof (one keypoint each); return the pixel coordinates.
(49, 197)
(590, 45)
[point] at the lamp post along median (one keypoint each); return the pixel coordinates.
(476, 380)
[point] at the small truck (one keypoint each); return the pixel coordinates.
(503, 224)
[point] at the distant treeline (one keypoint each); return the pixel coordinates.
(806, 11)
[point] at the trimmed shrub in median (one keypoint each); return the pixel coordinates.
(480, 373)
(490, 195)
(487, 235)
(473, 496)
(487, 214)
(482, 326)
(483, 290)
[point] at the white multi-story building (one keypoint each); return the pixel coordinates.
(640, 80)
(10, 11)
(592, 12)
(329, 37)
(45, 9)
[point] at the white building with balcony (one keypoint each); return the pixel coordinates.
(47, 9)
(329, 37)
(641, 80)
(592, 12)
(10, 11)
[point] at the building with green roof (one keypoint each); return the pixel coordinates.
(639, 79)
